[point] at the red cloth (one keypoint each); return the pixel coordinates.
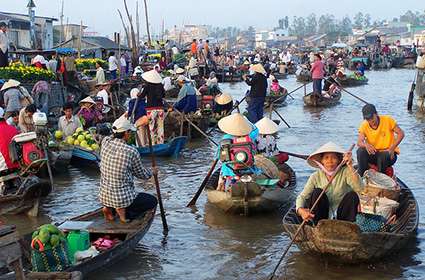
(318, 70)
(389, 172)
(7, 133)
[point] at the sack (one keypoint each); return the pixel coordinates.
(371, 223)
(380, 185)
(51, 260)
(378, 206)
(420, 62)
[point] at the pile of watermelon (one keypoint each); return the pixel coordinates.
(47, 237)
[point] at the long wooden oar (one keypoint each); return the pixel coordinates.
(412, 90)
(280, 116)
(289, 93)
(158, 190)
(352, 94)
(203, 184)
(305, 221)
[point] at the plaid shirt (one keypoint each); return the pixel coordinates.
(119, 163)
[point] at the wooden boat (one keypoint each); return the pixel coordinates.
(23, 194)
(84, 156)
(280, 76)
(304, 77)
(169, 149)
(278, 99)
(420, 90)
(249, 198)
(175, 126)
(343, 241)
(314, 100)
(352, 82)
(130, 234)
(60, 159)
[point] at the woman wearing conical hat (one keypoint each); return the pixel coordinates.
(341, 196)
(223, 104)
(257, 93)
(88, 114)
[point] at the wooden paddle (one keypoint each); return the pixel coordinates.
(411, 93)
(305, 221)
(158, 190)
(203, 184)
(280, 116)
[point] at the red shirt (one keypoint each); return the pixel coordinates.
(7, 133)
(193, 48)
(318, 70)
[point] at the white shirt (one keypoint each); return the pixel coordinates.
(104, 94)
(113, 63)
(100, 75)
(4, 41)
(167, 83)
(123, 62)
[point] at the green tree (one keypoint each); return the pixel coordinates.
(311, 26)
(367, 20)
(359, 20)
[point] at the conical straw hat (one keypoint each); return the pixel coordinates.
(258, 68)
(235, 125)
(88, 99)
(329, 147)
(179, 70)
(152, 77)
(10, 84)
(266, 126)
(223, 99)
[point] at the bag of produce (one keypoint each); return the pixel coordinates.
(49, 252)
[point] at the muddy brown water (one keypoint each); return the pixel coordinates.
(205, 243)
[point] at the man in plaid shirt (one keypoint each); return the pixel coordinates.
(119, 164)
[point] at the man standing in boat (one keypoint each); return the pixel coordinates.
(120, 163)
(257, 93)
(379, 137)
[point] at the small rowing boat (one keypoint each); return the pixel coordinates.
(352, 82)
(169, 149)
(343, 241)
(129, 235)
(315, 100)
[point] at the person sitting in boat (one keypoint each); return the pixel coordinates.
(26, 123)
(186, 100)
(103, 92)
(378, 141)
(168, 81)
(88, 114)
(68, 123)
(212, 84)
(239, 140)
(120, 164)
(341, 196)
(283, 69)
(360, 69)
(275, 88)
(223, 104)
(331, 86)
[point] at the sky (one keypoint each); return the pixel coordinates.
(102, 16)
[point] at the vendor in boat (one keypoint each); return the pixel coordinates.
(275, 88)
(68, 123)
(241, 132)
(137, 115)
(120, 164)
(103, 92)
(360, 69)
(88, 113)
(223, 104)
(378, 140)
(341, 196)
(155, 93)
(100, 74)
(331, 86)
(257, 93)
(186, 100)
(212, 84)
(26, 123)
(7, 133)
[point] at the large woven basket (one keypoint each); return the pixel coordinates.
(381, 185)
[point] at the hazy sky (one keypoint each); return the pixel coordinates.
(102, 15)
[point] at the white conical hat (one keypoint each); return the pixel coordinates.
(329, 147)
(266, 126)
(10, 84)
(152, 77)
(258, 68)
(88, 99)
(236, 125)
(223, 99)
(179, 71)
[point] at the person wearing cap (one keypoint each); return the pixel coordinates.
(257, 93)
(186, 100)
(68, 123)
(12, 97)
(4, 45)
(378, 140)
(100, 74)
(7, 133)
(26, 123)
(155, 93)
(120, 163)
(235, 126)
(88, 114)
(341, 197)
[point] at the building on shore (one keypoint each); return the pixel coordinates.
(19, 31)
(65, 32)
(186, 33)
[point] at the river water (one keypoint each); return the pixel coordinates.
(204, 243)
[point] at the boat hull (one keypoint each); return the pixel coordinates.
(85, 157)
(170, 149)
(312, 100)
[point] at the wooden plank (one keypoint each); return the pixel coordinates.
(8, 239)
(6, 230)
(75, 275)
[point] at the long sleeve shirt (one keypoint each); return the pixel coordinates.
(318, 70)
(12, 100)
(258, 83)
(4, 41)
(341, 185)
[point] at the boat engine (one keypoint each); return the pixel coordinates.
(240, 152)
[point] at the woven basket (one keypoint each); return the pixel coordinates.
(380, 185)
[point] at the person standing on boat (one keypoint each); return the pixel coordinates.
(317, 73)
(136, 113)
(7, 133)
(155, 93)
(114, 65)
(378, 140)
(12, 97)
(120, 163)
(341, 196)
(4, 45)
(257, 93)
(68, 123)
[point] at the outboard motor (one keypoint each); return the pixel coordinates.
(24, 150)
(240, 152)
